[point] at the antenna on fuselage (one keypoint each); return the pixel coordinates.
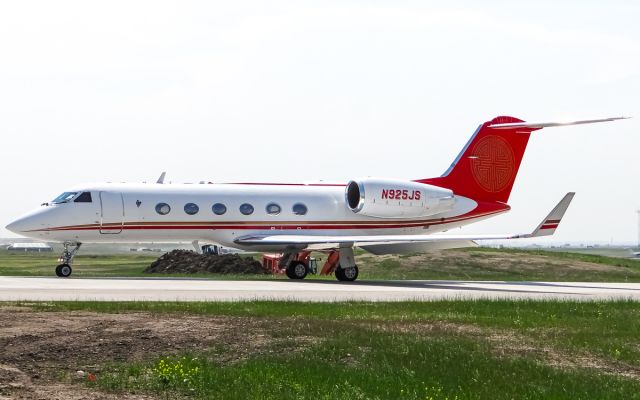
(161, 179)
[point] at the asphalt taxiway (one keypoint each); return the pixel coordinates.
(165, 289)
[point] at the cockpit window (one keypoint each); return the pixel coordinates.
(64, 197)
(85, 197)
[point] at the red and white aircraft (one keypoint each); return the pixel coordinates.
(378, 215)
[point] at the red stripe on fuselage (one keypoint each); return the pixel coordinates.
(285, 184)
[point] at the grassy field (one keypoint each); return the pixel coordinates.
(501, 264)
(464, 264)
(87, 266)
(43, 264)
(412, 350)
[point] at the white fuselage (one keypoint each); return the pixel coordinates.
(128, 213)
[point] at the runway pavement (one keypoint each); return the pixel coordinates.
(164, 289)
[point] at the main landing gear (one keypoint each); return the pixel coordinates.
(297, 270)
(66, 259)
(347, 274)
(294, 267)
(340, 262)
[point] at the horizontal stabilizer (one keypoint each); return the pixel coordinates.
(540, 125)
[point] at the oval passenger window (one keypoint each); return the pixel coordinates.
(299, 209)
(191, 208)
(246, 209)
(219, 209)
(163, 208)
(273, 209)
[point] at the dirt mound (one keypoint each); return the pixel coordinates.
(190, 262)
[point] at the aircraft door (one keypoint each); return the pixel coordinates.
(111, 212)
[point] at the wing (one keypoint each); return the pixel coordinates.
(547, 227)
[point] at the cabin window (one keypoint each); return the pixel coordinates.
(163, 208)
(191, 208)
(85, 197)
(64, 197)
(299, 209)
(246, 209)
(219, 209)
(273, 209)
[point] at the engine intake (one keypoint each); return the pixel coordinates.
(355, 196)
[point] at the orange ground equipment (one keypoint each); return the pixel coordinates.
(333, 259)
(271, 261)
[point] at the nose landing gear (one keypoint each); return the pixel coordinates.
(64, 269)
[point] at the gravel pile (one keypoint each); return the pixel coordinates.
(190, 262)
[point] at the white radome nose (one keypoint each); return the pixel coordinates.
(17, 226)
(29, 222)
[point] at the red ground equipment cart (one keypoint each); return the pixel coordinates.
(270, 262)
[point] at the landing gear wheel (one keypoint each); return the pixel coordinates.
(347, 274)
(63, 270)
(70, 249)
(297, 270)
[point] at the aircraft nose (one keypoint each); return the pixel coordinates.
(17, 226)
(25, 224)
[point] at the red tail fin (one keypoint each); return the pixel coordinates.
(486, 168)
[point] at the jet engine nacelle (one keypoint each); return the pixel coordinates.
(385, 198)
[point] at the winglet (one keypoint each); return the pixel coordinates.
(549, 225)
(161, 179)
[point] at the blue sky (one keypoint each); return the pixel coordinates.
(291, 91)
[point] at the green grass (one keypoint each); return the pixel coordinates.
(501, 264)
(410, 350)
(569, 255)
(89, 266)
(43, 264)
(407, 368)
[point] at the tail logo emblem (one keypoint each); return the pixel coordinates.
(492, 164)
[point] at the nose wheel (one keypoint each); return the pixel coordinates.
(63, 270)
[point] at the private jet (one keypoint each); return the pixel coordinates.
(379, 215)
